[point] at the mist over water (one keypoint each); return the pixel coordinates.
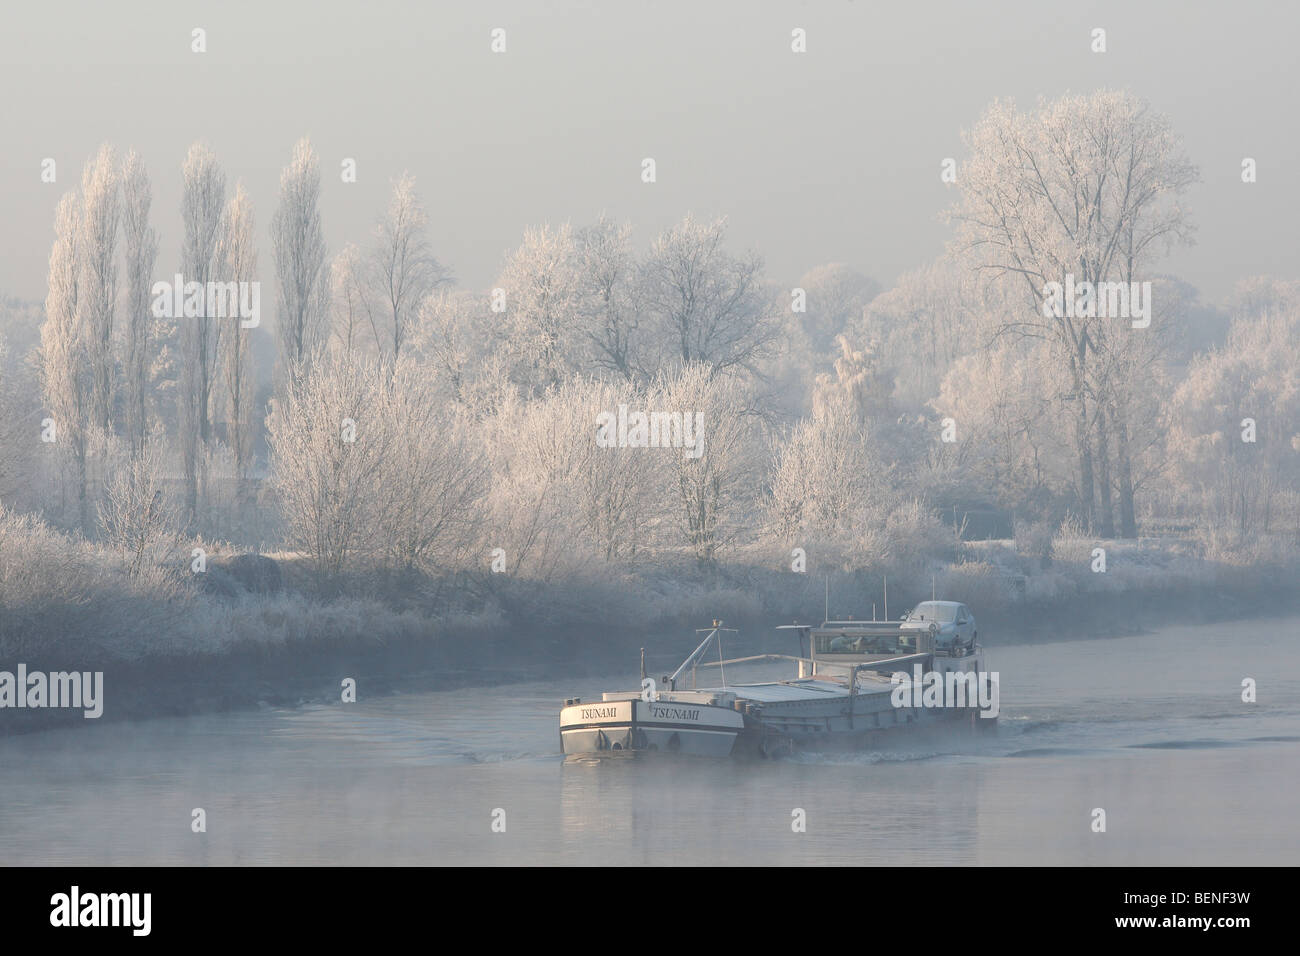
(1150, 728)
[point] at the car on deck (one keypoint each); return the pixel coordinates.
(952, 624)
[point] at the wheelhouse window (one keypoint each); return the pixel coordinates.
(850, 643)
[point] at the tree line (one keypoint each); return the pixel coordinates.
(413, 425)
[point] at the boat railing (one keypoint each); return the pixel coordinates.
(853, 668)
(758, 657)
(924, 647)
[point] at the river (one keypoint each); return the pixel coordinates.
(1150, 728)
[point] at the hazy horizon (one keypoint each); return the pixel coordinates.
(814, 158)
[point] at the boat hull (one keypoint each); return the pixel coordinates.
(773, 737)
(637, 725)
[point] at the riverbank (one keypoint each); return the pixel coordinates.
(252, 630)
(311, 668)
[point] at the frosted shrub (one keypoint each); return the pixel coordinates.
(916, 536)
(976, 584)
(1071, 546)
(1033, 540)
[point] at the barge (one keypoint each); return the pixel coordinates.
(857, 685)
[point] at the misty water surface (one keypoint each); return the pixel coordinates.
(1150, 728)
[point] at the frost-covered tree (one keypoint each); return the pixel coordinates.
(1262, 295)
(922, 325)
(376, 293)
(1234, 469)
(135, 516)
(540, 328)
(203, 199)
(564, 500)
(860, 388)
(530, 511)
(706, 305)
(608, 303)
(352, 325)
(328, 442)
(433, 477)
(1084, 186)
(1129, 386)
(302, 316)
(141, 247)
(97, 236)
(834, 493)
(373, 469)
(67, 370)
(403, 269)
(823, 473)
(1008, 420)
(450, 337)
(835, 294)
(16, 424)
(712, 492)
(624, 502)
(236, 256)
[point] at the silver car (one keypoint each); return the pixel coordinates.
(952, 624)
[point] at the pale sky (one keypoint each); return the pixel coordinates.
(831, 155)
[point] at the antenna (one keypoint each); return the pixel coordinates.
(886, 579)
(932, 587)
(826, 610)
